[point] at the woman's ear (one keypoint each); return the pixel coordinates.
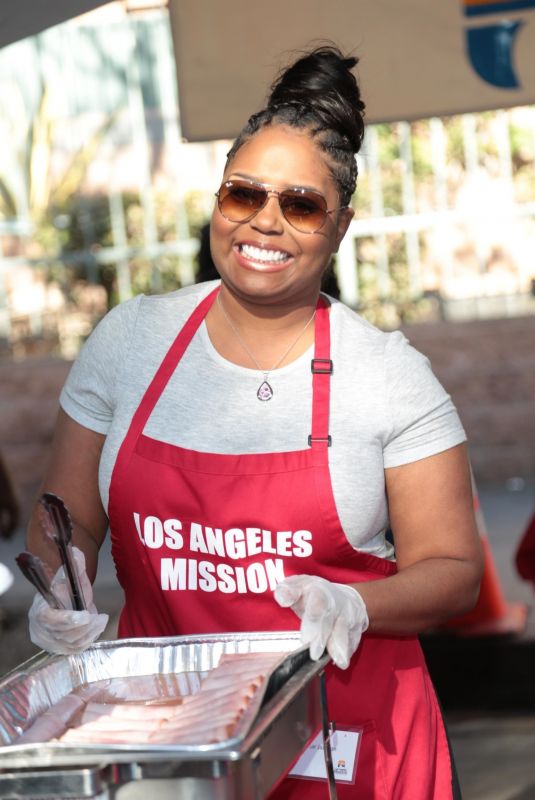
(345, 215)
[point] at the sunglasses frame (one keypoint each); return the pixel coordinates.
(270, 189)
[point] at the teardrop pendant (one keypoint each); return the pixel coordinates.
(265, 392)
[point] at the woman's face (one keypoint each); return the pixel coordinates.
(266, 260)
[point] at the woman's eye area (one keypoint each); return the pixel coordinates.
(295, 203)
(300, 205)
(245, 195)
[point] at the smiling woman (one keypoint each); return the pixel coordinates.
(277, 223)
(250, 441)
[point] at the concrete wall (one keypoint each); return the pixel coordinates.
(487, 366)
(29, 392)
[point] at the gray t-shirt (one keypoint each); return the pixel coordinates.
(387, 408)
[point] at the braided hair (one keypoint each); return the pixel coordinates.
(320, 94)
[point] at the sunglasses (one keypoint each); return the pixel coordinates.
(239, 200)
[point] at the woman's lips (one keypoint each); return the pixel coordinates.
(263, 259)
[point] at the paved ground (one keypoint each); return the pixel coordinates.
(495, 753)
(495, 756)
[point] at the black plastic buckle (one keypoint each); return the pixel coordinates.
(321, 366)
(320, 439)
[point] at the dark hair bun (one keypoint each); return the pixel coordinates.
(318, 93)
(322, 82)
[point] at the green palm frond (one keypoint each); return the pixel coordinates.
(40, 148)
(69, 183)
(8, 204)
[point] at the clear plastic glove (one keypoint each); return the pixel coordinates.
(62, 630)
(332, 615)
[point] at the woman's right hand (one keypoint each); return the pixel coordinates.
(65, 631)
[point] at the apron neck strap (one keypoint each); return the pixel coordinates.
(322, 369)
(168, 366)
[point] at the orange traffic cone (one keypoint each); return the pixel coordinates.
(492, 615)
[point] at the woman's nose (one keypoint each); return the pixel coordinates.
(269, 219)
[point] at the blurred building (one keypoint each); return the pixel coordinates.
(98, 189)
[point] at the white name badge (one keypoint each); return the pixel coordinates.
(344, 750)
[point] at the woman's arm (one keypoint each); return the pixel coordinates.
(438, 549)
(72, 474)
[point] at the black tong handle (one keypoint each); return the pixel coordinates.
(34, 570)
(58, 525)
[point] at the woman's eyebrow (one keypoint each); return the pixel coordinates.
(262, 183)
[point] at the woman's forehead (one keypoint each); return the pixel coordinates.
(282, 156)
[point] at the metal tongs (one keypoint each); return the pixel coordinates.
(35, 571)
(57, 526)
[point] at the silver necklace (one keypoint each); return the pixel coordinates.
(265, 391)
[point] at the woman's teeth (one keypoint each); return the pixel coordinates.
(265, 256)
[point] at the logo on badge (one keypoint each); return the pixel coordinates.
(491, 47)
(341, 767)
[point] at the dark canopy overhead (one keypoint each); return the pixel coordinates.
(22, 18)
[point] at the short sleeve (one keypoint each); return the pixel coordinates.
(89, 395)
(423, 419)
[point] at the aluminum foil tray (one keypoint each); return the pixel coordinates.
(38, 684)
(283, 716)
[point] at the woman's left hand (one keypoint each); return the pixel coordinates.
(332, 615)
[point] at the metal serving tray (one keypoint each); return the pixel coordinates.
(278, 723)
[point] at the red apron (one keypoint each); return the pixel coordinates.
(201, 539)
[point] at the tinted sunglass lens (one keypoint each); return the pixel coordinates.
(239, 202)
(305, 212)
